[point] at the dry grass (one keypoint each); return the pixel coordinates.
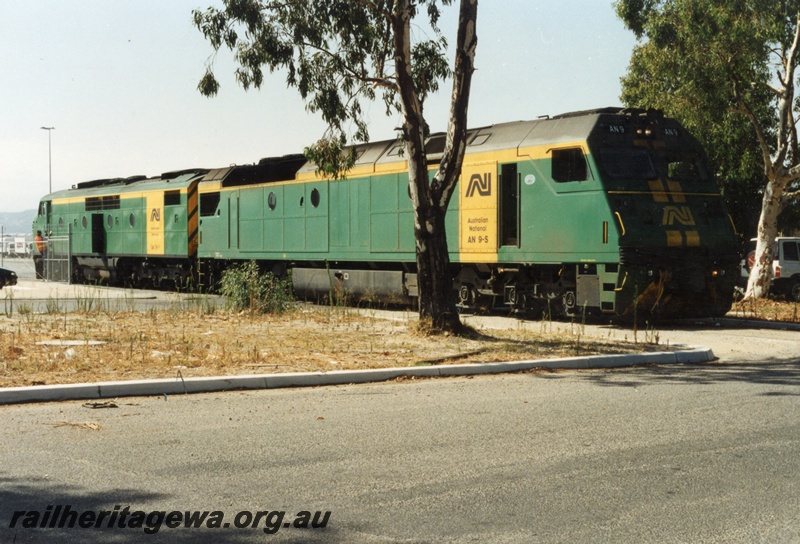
(769, 309)
(96, 345)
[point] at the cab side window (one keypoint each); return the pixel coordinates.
(569, 165)
(208, 204)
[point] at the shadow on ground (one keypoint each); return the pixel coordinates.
(778, 372)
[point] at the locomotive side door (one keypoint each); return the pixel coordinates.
(233, 220)
(98, 234)
(509, 188)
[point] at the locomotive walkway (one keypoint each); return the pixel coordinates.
(36, 295)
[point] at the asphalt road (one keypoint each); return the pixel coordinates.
(39, 296)
(705, 453)
(23, 267)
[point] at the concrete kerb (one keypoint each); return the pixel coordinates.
(747, 323)
(180, 385)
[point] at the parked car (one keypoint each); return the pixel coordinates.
(785, 267)
(7, 277)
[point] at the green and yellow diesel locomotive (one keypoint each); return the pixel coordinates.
(610, 211)
(139, 230)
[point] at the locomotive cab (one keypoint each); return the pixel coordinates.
(677, 246)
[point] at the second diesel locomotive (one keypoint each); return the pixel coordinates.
(611, 211)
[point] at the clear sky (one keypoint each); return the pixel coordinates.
(117, 79)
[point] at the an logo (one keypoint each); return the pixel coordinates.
(155, 215)
(676, 214)
(483, 185)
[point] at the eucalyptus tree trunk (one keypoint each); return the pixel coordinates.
(761, 272)
(781, 169)
(437, 303)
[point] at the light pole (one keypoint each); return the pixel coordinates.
(49, 155)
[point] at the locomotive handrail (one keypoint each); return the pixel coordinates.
(621, 224)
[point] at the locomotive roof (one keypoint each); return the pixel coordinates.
(269, 169)
(567, 127)
(166, 181)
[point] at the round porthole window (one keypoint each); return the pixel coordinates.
(132, 220)
(272, 200)
(110, 221)
(83, 221)
(315, 198)
(60, 223)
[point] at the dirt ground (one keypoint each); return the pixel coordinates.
(77, 347)
(103, 345)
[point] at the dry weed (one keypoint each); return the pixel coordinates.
(125, 345)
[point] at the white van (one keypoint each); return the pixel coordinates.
(785, 267)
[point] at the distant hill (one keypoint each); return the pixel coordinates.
(17, 222)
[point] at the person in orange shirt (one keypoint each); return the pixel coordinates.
(38, 260)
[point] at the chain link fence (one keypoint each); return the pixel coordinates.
(55, 262)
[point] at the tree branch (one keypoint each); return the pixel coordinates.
(793, 174)
(413, 126)
(794, 159)
(386, 82)
(786, 100)
(769, 168)
(455, 144)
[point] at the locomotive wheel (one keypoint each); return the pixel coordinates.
(568, 301)
(470, 299)
(518, 301)
(77, 274)
(513, 297)
(466, 296)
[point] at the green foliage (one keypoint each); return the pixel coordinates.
(246, 287)
(703, 53)
(331, 158)
(334, 52)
